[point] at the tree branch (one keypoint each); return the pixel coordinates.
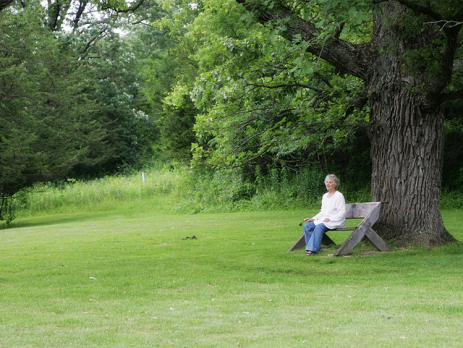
(249, 160)
(451, 33)
(417, 7)
(85, 49)
(427, 10)
(339, 30)
(323, 78)
(132, 8)
(446, 24)
(54, 21)
(354, 59)
(82, 5)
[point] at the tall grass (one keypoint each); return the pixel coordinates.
(278, 188)
(101, 194)
(182, 190)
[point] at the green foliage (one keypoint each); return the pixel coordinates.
(70, 101)
(167, 61)
(452, 199)
(259, 97)
(8, 209)
(48, 123)
(201, 69)
(452, 176)
(265, 101)
(452, 172)
(173, 188)
(116, 86)
(65, 14)
(177, 124)
(168, 72)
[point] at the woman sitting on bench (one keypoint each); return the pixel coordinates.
(331, 216)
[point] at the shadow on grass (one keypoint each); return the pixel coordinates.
(49, 220)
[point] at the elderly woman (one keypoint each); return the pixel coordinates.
(331, 216)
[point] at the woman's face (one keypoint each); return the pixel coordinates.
(329, 184)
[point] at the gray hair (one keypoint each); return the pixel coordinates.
(334, 178)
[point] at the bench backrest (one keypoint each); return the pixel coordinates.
(359, 210)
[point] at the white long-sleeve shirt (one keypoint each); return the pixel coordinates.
(333, 208)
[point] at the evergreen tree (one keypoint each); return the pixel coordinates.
(47, 121)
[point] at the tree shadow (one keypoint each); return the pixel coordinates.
(49, 220)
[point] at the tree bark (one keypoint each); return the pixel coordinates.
(406, 126)
(407, 134)
(407, 154)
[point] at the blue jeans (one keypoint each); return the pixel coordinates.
(313, 235)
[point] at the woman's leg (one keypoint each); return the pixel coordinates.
(308, 231)
(315, 240)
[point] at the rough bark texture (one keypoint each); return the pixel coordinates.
(407, 136)
(406, 121)
(407, 151)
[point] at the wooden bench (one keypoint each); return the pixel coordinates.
(370, 213)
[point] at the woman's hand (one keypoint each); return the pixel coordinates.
(327, 220)
(308, 219)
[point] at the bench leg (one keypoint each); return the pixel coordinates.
(357, 236)
(299, 244)
(350, 242)
(376, 240)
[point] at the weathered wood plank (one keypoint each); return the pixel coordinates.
(376, 240)
(360, 231)
(359, 210)
(351, 241)
(300, 243)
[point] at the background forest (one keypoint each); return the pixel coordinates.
(90, 90)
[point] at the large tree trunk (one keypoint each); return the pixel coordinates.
(407, 152)
(407, 138)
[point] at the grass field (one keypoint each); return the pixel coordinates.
(128, 278)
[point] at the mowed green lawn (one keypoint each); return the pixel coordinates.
(130, 279)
